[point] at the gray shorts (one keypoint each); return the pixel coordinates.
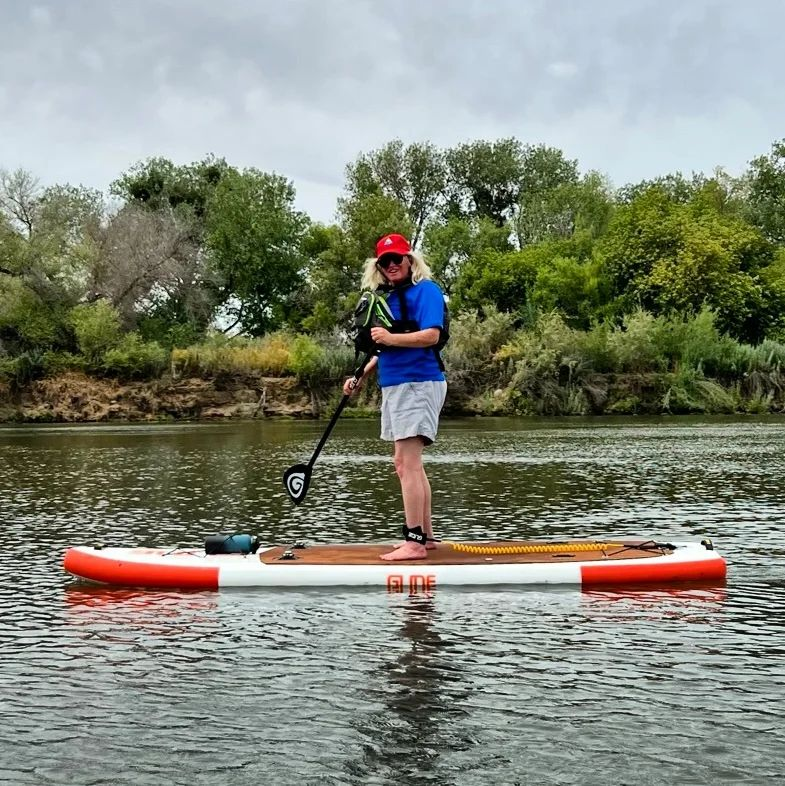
(412, 410)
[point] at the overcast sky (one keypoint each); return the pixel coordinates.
(628, 87)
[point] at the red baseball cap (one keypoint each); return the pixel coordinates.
(393, 244)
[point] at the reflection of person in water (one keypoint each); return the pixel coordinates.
(407, 736)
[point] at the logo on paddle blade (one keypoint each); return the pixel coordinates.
(295, 484)
(296, 480)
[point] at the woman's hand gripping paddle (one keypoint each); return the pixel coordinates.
(296, 479)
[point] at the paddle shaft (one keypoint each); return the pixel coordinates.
(340, 408)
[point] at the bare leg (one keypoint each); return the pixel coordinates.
(427, 524)
(415, 487)
(416, 493)
(408, 465)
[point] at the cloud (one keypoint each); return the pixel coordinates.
(87, 88)
(562, 69)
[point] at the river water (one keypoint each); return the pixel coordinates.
(528, 686)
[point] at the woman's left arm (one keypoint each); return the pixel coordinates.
(419, 338)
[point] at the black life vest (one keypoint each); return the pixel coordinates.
(373, 310)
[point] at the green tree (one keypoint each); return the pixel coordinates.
(19, 196)
(640, 231)
(543, 210)
(158, 182)
(255, 237)
(365, 219)
(27, 321)
(676, 187)
(503, 280)
(664, 256)
(593, 203)
(578, 289)
(12, 248)
(507, 280)
(47, 246)
(772, 278)
(484, 179)
(449, 244)
(332, 281)
(765, 193)
(47, 234)
(63, 247)
(412, 175)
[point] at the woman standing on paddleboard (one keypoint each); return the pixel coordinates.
(411, 376)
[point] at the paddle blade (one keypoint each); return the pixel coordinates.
(296, 480)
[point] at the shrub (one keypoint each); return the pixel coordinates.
(593, 346)
(24, 368)
(7, 368)
(167, 333)
(222, 355)
(637, 346)
(695, 341)
(59, 362)
(312, 359)
(134, 358)
(471, 354)
(689, 391)
(27, 321)
(767, 356)
(319, 362)
(27, 366)
(97, 329)
(306, 359)
(550, 369)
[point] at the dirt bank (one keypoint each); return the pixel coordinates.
(76, 397)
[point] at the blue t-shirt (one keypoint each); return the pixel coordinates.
(425, 306)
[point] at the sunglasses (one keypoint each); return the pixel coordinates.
(390, 259)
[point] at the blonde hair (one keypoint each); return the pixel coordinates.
(373, 278)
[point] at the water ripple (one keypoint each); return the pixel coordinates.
(104, 686)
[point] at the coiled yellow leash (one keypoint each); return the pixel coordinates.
(532, 548)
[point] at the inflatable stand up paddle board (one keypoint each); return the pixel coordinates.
(237, 561)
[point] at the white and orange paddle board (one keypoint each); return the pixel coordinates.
(578, 563)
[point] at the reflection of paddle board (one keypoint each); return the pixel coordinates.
(503, 562)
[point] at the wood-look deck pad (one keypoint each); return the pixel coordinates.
(443, 554)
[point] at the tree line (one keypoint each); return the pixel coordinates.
(177, 253)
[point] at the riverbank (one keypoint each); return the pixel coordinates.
(74, 397)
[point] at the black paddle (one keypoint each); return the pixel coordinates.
(296, 479)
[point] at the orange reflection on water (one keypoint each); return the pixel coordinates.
(693, 602)
(165, 612)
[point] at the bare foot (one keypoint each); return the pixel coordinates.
(430, 546)
(409, 550)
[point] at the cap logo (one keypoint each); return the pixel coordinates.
(388, 242)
